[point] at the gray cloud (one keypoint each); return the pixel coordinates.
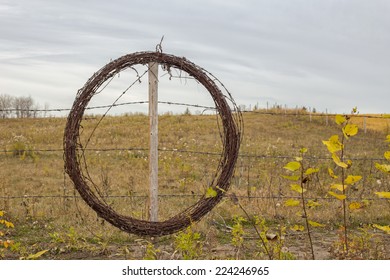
(324, 54)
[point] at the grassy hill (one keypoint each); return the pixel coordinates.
(39, 197)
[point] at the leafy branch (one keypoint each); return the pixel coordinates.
(336, 148)
(302, 177)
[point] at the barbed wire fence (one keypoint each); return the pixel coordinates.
(242, 165)
(243, 176)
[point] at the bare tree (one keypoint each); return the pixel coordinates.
(5, 106)
(25, 107)
(19, 107)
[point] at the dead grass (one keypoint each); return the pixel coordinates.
(34, 189)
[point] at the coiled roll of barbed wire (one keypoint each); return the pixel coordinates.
(231, 123)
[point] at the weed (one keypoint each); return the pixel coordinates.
(5, 244)
(238, 234)
(363, 245)
(337, 149)
(303, 176)
(189, 244)
(21, 147)
(151, 253)
(274, 242)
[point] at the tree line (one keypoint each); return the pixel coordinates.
(19, 107)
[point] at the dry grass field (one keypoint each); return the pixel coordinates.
(52, 222)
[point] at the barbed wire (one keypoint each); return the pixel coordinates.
(108, 106)
(175, 195)
(217, 154)
(272, 112)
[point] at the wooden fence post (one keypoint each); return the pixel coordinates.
(153, 146)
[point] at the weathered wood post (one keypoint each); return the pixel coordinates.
(153, 145)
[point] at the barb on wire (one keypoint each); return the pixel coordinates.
(159, 45)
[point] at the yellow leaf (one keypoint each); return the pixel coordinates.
(298, 158)
(384, 228)
(297, 188)
(350, 180)
(36, 255)
(355, 205)
(387, 138)
(315, 224)
(338, 187)
(292, 166)
(9, 224)
(383, 167)
(291, 178)
(297, 228)
(291, 202)
(333, 144)
(7, 243)
(312, 204)
(337, 160)
(211, 192)
(331, 173)
(303, 150)
(387, 155)
(340, 119)
(383, 194)
(338, 196)
(311, 171)
(2, 213)
(350, 130)
(366, 202)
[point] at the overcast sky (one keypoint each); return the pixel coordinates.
(323, 54)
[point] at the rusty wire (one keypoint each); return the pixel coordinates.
(231, 133)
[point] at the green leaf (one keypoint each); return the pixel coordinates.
(338, 196)
(292, 166)
(291, 178)
(383, 194)
(337, 160)
(333, 144)
(340, 119)
(297, 188)
(36, 255)
(331, 173)
(291, 202)
(211, 192)
(311, 171)
(350, 130)
(383, 167)
(315, 224)
(387, 155)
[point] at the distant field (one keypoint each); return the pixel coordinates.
(48, 214)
